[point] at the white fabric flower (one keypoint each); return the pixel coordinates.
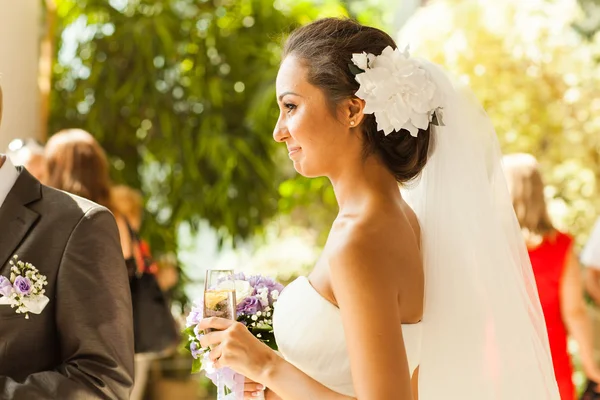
(362, 60)
(242, 289)
(397, 90)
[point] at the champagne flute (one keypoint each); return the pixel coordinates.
(219, 301)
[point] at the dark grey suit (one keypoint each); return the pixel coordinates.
(81, 345)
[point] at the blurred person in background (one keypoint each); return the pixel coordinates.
(128, 203)
(590, 258)
(556, 270)
(77, 164)
(30, 154)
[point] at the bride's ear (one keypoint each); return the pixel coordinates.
(353, 112)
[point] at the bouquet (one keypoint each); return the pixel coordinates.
(256, 298)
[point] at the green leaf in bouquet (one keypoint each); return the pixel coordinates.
(189, 331)
(271, 343)
(196, 366)
(262, 327)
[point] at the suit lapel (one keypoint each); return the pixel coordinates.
(16, 219)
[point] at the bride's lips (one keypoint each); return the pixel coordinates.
(293, 150)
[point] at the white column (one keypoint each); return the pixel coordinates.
(20, 30)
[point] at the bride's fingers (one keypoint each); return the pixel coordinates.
(211, 339)
(215, 353)
(252, 395)
(215, 323)
(250, 387)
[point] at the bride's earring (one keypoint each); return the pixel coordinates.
(351, 123)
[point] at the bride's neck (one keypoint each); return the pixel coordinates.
(359, 183)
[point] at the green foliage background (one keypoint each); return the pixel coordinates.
(180, 93)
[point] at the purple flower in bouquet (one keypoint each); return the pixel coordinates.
(199, 333)
(195, 349)
(250, 306)
(194, 317)
(5, 286)
(240, 276)
(269, 284)
(260, 283)
(23, 285)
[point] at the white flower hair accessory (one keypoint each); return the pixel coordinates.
(398, 90)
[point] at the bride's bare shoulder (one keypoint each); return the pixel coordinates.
(376, 241)
(378, 255)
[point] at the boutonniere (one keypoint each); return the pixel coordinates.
(25, 288)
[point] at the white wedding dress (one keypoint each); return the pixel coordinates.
(309, 333)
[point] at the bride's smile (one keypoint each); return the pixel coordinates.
(315, 130)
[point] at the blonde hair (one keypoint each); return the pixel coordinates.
(527, 192)
(127, 201)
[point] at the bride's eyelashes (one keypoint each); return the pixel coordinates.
(289, 107)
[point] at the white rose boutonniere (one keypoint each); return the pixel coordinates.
(24, 291)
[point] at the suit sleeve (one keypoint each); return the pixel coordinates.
(93, 317)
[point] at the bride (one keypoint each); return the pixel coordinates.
(425, 292)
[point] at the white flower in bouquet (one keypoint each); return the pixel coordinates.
(242, 288)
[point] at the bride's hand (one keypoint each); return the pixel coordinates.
(252, 389)
(232, 345)
(271, 395)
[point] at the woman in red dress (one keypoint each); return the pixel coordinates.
(556, 270)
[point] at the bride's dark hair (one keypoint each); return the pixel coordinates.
(326, 47)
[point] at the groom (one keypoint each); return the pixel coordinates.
(79, 343)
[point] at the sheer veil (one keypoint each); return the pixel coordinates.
(484, 335)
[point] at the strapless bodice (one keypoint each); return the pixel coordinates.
(310, 335)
